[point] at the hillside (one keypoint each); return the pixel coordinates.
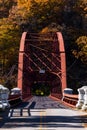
(69, 17)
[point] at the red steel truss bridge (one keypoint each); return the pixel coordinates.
(42, 60)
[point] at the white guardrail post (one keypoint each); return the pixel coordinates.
(16, 91)
(84, 107)
(67, 91)
(4, 95)
(80, 98)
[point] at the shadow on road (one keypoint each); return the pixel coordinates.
(48, 121)
(32, 105)
(21, 109)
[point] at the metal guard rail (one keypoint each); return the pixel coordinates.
(14, 100)
(70, 99)
(56, 95)
(18, 98)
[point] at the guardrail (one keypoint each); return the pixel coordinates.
(70, 99)
(14, 100)
(56, 95)
(26, 96)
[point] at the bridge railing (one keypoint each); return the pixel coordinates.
(70, 99)
(26, 96)
(14, 100)
(18, 98)
(56, 95)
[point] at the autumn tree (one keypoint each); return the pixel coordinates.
(67, 16)
(81, 51)
(5, 6)
(33, 15)
(9, 43)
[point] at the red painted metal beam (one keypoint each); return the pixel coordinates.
(26, 72)
(63, 60)
(21, 57)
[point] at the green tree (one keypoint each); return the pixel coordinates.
(9, 42)
(44, 13)
(81, 51)
(33, 15)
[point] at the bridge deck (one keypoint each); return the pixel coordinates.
(43, 113)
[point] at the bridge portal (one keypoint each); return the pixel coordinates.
(42, 60)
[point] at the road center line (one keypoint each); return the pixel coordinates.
(42, 113)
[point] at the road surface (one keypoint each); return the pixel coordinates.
(42, 113)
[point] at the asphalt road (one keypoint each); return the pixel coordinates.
(42, 113)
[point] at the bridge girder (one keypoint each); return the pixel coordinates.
(44, 52)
